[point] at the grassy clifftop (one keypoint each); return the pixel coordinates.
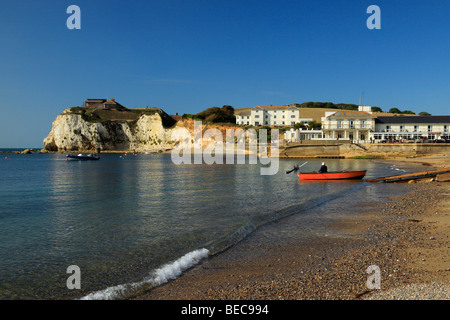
(121, 115)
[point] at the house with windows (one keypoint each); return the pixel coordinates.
(112, 104)
(275, 115)
(102, 104)
(355, 126)
(349, 125)
(243, 118)
(271, 116)
(411, 128)
(94, 103)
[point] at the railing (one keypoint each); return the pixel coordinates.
(347, 127)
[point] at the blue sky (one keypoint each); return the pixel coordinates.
(186, 56)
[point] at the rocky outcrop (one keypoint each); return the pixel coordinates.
(73, 132)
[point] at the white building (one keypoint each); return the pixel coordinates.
(411, 128)
(271, 116)
(356, 126)
(349, 125)
(298, 135)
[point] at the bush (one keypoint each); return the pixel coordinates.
(216, 115)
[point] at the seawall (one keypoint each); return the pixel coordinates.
(365, 150)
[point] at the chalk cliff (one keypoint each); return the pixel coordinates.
(76, 130)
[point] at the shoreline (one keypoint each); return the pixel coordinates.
(407, 237)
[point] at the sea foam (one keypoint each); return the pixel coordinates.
(157, 277)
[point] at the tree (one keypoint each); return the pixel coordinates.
(314, 125)
(423, 113)
(376, 109)
(216, 114)
(394, 110)
(299, 125)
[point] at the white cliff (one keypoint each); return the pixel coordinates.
(72, 132)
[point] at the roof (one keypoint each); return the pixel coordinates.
(245, 113)
(351, 114)
(95, 100)
(275, 107)
(413, 119)
(111, 101)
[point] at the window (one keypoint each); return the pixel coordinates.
(363, 123)
(430, 128)
(339, 124)
(402, 128)
(416, 127)
(293, 116)
(445, 128)
(352, 124)
(257, 116)
(388, 128)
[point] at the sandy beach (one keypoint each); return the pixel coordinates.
(406, 237)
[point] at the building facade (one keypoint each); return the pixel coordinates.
(271, 116)
(94, 103)
(349, 125)
(102, 104)
(411, 128)
(356, 126)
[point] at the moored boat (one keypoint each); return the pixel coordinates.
(337, 175)
(90, 156)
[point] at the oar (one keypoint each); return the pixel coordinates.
(296, 168)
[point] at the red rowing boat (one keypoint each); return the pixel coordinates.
(338, 175)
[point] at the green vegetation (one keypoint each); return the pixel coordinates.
(423, 113)
(311, 125)
(328, 105)
(376, 109)
(123, 114)
(398, 111)
(216, 115)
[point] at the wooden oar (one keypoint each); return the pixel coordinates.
(296, 168)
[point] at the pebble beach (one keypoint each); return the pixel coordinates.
(406, 237)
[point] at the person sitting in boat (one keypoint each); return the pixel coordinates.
(323, 168)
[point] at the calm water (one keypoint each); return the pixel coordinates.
(125, 221)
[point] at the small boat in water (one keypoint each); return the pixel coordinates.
(337, 175)
(90, 156)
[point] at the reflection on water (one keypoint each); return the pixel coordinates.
(119, 218)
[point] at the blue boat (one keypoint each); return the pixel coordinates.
(90, 156)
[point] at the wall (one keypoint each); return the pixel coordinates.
(377, 150)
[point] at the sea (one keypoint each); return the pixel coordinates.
(114, 228)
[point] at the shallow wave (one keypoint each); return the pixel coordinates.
(157, 277)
